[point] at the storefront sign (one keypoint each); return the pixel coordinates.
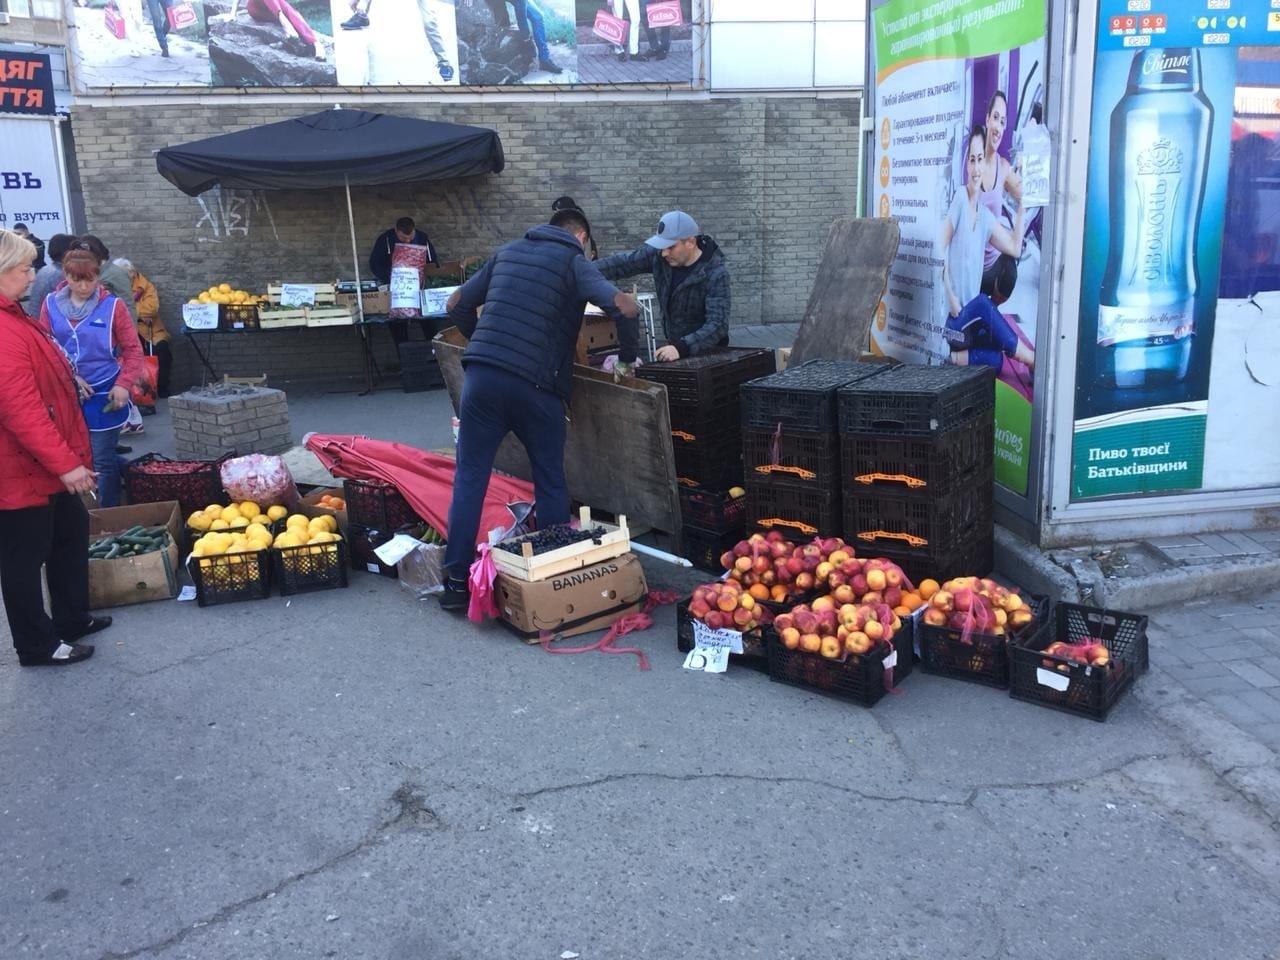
(962, 161)
(30, 182)
(1181, 169)
(26, 83)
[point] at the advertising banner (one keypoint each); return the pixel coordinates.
(962, 161)
(30, 183)
(302, 44)
(1170, 155)
(26, 83)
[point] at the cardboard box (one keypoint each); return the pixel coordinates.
(126, 580)
(310, 507)
(374, 303)
(598, 332)
(781, 357)
(568, 604)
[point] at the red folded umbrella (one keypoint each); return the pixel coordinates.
(424, 479)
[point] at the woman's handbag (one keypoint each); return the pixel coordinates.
(181, 15)
(664, 13)
(114, 20)
(611, 28)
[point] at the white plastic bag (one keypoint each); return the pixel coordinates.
(260, 478)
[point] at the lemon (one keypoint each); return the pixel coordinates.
(249, 509)
(297, 520)
(288, 539)
(229, 513)
(239, 523)
(224, 288)
(198, 521)
(219, 524)
(256, 529)
(214, 510)
(277, 512)
(197, 551)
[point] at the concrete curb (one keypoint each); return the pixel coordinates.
(1179, 584)
(1023, 563)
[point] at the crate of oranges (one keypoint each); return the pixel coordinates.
(326, 502)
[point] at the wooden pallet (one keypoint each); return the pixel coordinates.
(615, 542)
(275, 319)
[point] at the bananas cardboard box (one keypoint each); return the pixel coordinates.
(580, 601)
(153, 575)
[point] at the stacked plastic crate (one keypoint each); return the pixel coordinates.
(917, 446)
(703, 400)
(791, 448)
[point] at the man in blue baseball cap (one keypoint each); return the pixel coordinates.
(691, 281)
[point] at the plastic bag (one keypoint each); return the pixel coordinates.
(421, 571)
(143, 390)
(259, 478)
(408, 261)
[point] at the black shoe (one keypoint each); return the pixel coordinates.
(550, 66)
(74, 653)
(640, 57)
(121, 448)
(95, 625)
(660, 55)
(622, 57)
(147, 410)
(455, 598)
(164, 52)
(358, 21)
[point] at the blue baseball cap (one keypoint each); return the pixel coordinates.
(674, 226)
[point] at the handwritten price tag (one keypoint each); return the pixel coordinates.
(434, 300)
(297, 295)
(710, 653)
(200, 316)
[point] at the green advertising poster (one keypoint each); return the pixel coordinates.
(962, 161)
(1142, 451)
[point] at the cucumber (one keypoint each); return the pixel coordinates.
(113, 552)
(136, 540)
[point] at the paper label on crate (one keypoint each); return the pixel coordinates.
(434, 300)
(297, 295)
(200, 316)
(396, 549)
(1052, 678)
(704, 636)
(187, 593)
(891, 660)
(372, 568)
(707, 659)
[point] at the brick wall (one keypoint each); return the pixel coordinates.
(764, 176)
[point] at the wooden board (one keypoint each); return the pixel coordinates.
(618, 455)
(330, 316)
(278, 318)
(851, 280)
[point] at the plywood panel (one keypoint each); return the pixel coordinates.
(618, 454)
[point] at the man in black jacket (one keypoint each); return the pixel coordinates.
(691, 283)
(22, 230)
(380, 258)
(519, 372)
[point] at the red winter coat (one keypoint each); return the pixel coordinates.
(42, 430)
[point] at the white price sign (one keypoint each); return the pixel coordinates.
(297, 295)
(200, 316)
(710, 653)
(434, 300)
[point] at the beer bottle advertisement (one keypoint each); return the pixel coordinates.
(1157, 254)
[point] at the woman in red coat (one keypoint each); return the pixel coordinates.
(44, 467)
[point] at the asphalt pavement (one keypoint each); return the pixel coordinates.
(356, 774)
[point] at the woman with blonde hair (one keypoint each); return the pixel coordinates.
(44, 467)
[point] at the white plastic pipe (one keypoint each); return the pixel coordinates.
(660, 554)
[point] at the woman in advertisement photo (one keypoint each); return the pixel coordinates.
(998, 179)
(978, 333)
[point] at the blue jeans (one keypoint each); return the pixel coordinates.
(987, 335)
(106, 464)
(495, 402)
(528, 15)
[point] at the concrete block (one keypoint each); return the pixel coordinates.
(1253, 673)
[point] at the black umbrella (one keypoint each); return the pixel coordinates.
(331, 148)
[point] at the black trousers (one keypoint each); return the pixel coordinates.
(56, 537)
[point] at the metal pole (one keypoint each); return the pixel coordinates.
(355, 256)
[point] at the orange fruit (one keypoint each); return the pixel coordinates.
(927, 588)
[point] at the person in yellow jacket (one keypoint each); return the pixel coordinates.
(151, 329)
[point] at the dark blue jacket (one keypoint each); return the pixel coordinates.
(384, 247)
(695, 315)
(534, 292)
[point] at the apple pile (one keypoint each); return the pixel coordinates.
(975, 605)
(1092, 653)
(782, 569)
(874, 581)
(726, 605)
(834, 630)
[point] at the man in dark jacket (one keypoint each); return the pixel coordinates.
(691, 281)
(519, 372)
(23, 231)
(405, 231)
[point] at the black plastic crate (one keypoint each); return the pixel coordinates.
(312, 566)
(1057, 682)
(716, 462)
(913, 400)
(377, 505)
(862, 679)
(703, 548)
(753, 645)
(933, 465)
(791, 457)
(800, 513)
(974, 557)
(361, 542)
(802, 397)
(418, 367)
(154, 478)
(709, 379)
(238, 316)
(712, 509)
(230, 577)
(919, 521)
(703, 423)
(984, 658)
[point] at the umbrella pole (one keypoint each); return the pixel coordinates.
(355, 263)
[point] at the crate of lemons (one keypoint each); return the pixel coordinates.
(226, 293)
(247, 529)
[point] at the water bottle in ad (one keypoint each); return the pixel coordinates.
(1159, 148)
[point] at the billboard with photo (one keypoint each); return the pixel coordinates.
(302, 44)
(961, 160)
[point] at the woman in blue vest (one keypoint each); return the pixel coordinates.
(96, 332)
